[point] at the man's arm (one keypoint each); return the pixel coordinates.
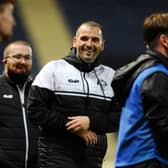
(98, 122)
(106, 122)
(155, 102)
(40, 110)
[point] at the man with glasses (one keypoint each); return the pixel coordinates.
(143, 92)
(18, 138)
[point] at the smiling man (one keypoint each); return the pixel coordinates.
(18, 138)
(88, 43)
(18, 61)
(70, 100)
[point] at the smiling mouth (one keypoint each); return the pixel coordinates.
(89, 51)
(21, 68)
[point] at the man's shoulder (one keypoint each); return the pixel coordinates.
(2, 80)
(126, 75)
(52, 65)
(106, 67)
(55, 62)
(156, 69)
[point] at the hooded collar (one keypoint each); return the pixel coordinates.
(78, 63)
(161, 58)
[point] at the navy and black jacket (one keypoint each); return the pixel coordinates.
(144, 109)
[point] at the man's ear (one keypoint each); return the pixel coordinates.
(4, 61)
(164, 40)
(74, 41)
(103, 43)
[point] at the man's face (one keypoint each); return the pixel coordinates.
(18, 59)
(7, 21)
(88, 43)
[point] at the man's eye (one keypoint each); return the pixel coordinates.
(96, 40)
(17, 56)
(84, 38)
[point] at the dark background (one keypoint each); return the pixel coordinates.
(122, 22)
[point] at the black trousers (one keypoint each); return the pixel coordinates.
(57, 155)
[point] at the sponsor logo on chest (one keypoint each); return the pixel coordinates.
(73, 80)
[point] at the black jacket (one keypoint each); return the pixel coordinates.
(18, 138)
(68, 87)
(154, 94)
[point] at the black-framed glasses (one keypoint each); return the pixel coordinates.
(20, 57)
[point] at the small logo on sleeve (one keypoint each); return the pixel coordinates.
(7, 96)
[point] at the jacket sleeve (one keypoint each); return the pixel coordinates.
(155, 102)
(40, 109)
(108, 121)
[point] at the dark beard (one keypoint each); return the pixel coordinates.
(17, 78)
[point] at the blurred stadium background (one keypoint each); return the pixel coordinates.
(49, 26)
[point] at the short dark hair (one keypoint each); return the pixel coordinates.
(22, 42)
(154, 25)
(91, 24)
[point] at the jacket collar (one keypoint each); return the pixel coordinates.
(125, 75)
(78, 63)
(161, 58)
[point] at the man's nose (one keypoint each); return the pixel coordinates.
(90, 42)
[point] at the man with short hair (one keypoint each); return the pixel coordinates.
(143, 133)
(18, 138)
(70, 100)
(7, 21)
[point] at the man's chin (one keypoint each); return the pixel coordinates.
(89, 59)
(20, 72)
(18, 77)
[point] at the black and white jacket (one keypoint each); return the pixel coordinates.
(70, 87)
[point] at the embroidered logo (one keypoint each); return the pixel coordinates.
(7, 96)
(73, 81)
(102, 82)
